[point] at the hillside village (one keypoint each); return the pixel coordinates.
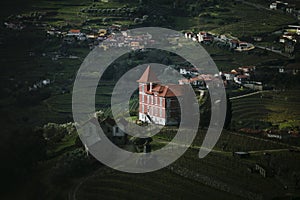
(255, 45)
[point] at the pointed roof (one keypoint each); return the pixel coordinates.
(148, 76)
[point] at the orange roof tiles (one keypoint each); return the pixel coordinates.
(74, 31)
(168, 90)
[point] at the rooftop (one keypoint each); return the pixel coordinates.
(148, 76)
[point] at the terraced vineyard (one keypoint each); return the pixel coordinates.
(278, 108)
(162, 184)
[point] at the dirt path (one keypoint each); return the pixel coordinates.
(246, 95)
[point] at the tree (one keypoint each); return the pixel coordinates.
(54, 132)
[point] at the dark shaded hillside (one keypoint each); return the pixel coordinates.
(8, 8)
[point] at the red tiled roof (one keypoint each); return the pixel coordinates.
(202, 77)
(74, 31)
(158, 88)
(173, 90)
(148, 76)
(168, 90)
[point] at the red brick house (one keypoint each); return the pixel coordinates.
(158, 103)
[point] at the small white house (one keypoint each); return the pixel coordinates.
(229, 76)
(184, 71)
(273, 6)
(110, 127)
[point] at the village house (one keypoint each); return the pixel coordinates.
(202, 81)
(195, 82)
(247, 70)
(189, 35)
(158, 103)
(289, 47)
(229, 75)
(189, 71)
(115, 133)
(74, 32)
(240, 79)
(90, 130)
(233, 43)
(278, 5)
(90, 133)
(273, 6)
(245, 46)
(205, 37)
(102, 33)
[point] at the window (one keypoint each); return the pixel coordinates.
(155, 100)
(148, 99)
(160, 101)
(152, 99)
(117, 129)
(160, 112)
(143, 109)
(142, 98)
(143, 88)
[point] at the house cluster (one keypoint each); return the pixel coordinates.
(242, 76)
(202, 37)
(200, 81)
(39, 84)
(134, 42)
(289, 38)
(14, 25)
(76, 34)
(105, 38)
(286, 7)
(92, 36)
(19, 22)
(231, 42)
